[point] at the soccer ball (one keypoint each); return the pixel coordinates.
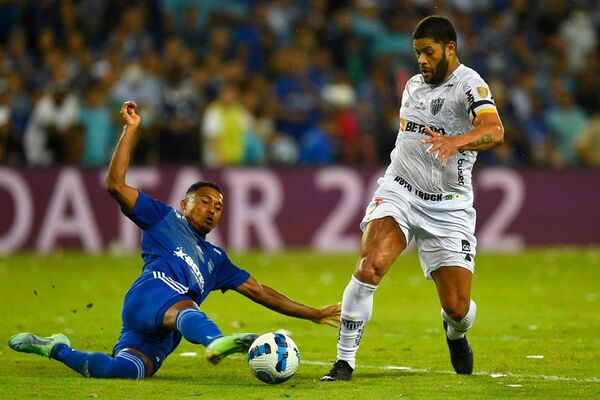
(273, 357)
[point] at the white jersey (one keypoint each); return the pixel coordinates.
(450, 109)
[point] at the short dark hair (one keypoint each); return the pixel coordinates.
(194, 188)
(438, 28)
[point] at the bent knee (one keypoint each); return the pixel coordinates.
(371, 269)
(456, 309)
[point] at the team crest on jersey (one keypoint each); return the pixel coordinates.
(436, 105)
(483, 92)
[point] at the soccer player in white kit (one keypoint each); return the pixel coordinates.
(447, 116)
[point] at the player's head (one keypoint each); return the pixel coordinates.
(434, 42)
(203, 205)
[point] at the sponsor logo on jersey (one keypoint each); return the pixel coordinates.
(192, 264)
(436, 105)
(421, 194)
(483, 92)
(470, 97)
(410, 126)
(460, 172)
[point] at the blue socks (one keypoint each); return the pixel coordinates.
(193, 324)
(196, 327)
(99, 365)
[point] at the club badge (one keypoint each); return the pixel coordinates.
(436, 105)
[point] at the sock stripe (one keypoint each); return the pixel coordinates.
(139, 364)
(135, 364)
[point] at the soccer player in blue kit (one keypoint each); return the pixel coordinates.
(180, 269)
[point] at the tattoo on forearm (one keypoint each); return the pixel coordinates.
(485, 139)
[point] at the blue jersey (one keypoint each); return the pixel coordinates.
(172, 249)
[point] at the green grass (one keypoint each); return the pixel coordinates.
(538, 302)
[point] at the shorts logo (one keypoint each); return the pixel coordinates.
(483, 92)
(436, 105)
(466, 246)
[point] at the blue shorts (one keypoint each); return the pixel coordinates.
(144, 307)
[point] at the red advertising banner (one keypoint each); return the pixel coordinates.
(67, 208)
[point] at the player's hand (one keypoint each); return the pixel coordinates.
(129, 115)
(440, 146)
(330, 315)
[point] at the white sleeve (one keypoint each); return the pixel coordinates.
(477, 97)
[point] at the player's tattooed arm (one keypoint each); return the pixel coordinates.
(487, 133)
(485, 139)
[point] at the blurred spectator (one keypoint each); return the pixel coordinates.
(98, 130)
(280, 16)
(132, 35)
(283, 150)
(178, 136)
(225, 124)
(137, 83)
(20, 108)
(536, 131)
(296, 94)
(354, 148)
(580, 36)
(53, 134)
(261, 130)
(9, 145)
(319, 144)
(587, 143)
(566, 121)
(19, 56)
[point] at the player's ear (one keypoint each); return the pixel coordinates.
(451, 49)
(184, 205)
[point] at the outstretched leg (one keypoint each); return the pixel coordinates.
(382, 242)
(126, 364)
(196, 327)
(458, 313)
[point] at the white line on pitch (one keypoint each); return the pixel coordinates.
(490, 374)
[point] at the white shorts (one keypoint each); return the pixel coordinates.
(443, 238)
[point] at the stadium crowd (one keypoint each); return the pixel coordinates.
(284, 82)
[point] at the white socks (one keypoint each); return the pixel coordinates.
(357, 306)
(457, 329)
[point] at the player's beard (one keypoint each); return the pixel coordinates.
(439, 73)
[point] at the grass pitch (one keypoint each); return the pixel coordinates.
(537, 332)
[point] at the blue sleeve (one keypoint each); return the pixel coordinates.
(230, 276)
(147, 211)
